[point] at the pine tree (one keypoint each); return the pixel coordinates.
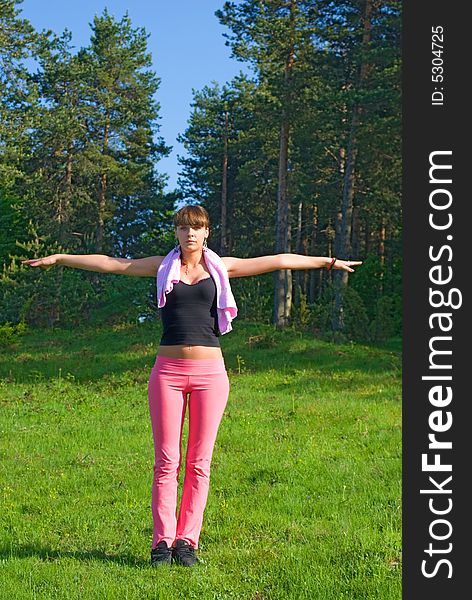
(85, 175)
(17, 92)
(121, 115)
(232, 125)
(18, 98)
(275, 37)
(362, 40)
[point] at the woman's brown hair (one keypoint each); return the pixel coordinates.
(193, 216)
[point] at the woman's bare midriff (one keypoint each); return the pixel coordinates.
(196, 352)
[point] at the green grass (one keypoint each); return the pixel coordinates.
(305, 491)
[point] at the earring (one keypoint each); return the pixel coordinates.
(205, 245)
(176, 247)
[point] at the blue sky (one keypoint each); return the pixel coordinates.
(186, 42)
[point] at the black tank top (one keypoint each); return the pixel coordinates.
(189, 315)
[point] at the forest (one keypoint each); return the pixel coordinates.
(303, 156)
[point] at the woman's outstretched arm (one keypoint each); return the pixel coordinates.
(101, 263)
(244, 267)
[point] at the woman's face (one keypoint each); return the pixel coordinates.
(191, 238)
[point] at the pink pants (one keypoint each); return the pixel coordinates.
(206, 381)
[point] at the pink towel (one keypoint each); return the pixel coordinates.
(169, 273)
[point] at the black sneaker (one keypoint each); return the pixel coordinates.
(161, 554)
(184, 554)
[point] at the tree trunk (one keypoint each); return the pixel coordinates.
(382, 237)
(224, 190)
(367, 238)
(283, 277)
(344, 245)
(306, 272)
(298, 249)
(102, 194)
(124, 241)
(101, 212)
(355, 233)
(343, 235)
(338, 233)
(63, 217)
(65, 200)
(314, 232)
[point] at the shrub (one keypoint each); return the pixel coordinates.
(387, 321)
(9, 333)
(46, 298)
(254, 297)
(356, 322)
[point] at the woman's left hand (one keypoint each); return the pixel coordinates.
(346, 265)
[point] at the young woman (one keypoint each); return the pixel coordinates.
(196, 306)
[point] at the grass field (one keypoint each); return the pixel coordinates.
(305, 491)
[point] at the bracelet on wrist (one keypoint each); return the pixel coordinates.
(330, 266)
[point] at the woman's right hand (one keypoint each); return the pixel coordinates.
(45, 262)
